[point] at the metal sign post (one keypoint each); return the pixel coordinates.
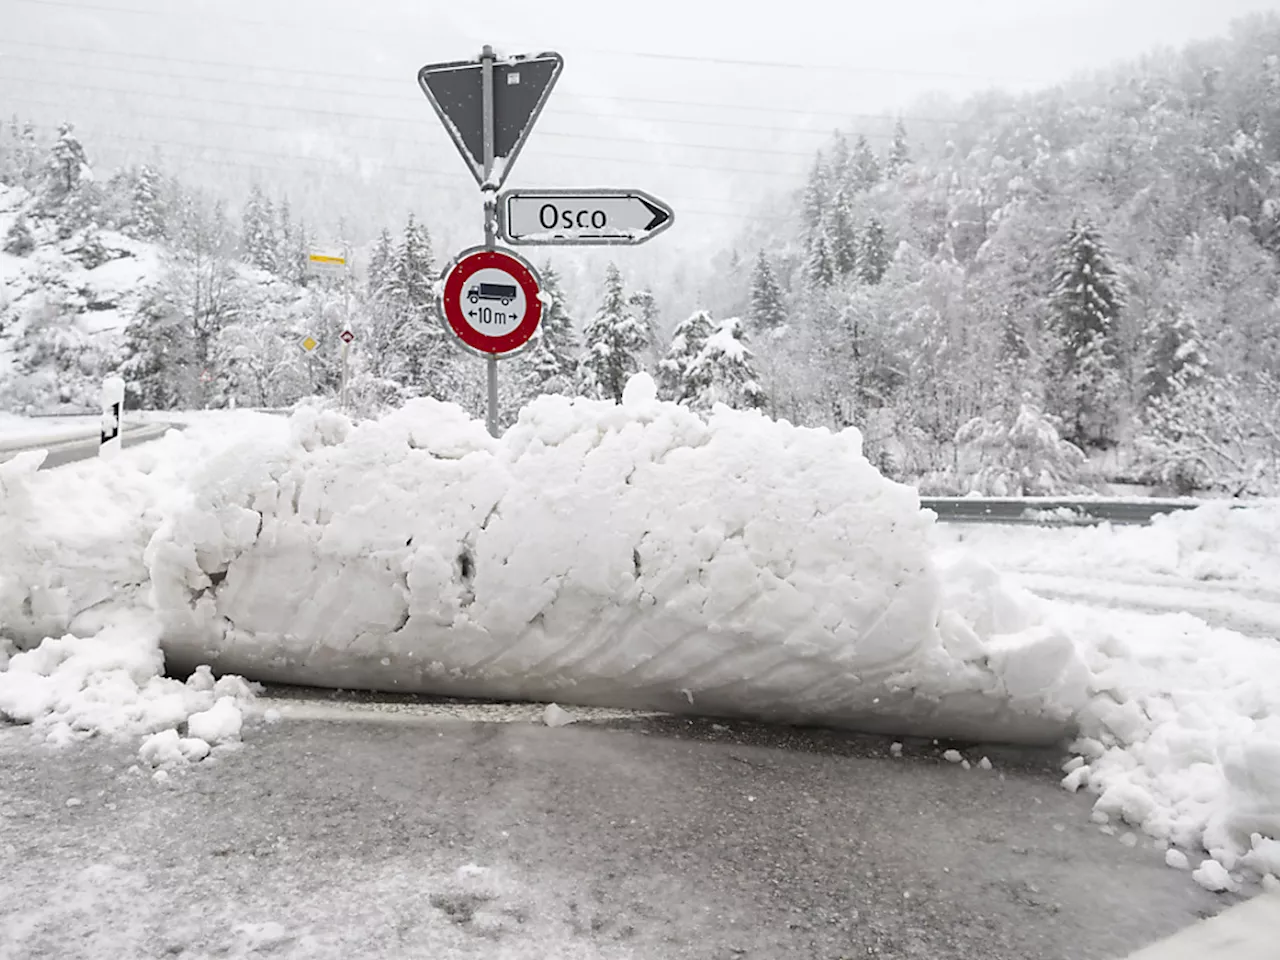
(512, 92)
(488, 107)
(488, 194)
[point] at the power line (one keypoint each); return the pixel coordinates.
(403, 82)
(99, 88)
(423, 122)
(422, 172)
(168, 10)
(381, 165)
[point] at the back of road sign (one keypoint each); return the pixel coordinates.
(521, 86)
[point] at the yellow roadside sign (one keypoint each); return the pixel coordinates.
(318, 258)
(309, 344)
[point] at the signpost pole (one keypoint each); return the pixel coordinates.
(490, 198)
(346, 325)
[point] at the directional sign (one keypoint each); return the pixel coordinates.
(576, 216)
(521, 86)
(490, 301)
(325, 262)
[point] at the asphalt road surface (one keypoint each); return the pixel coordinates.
(648, 837)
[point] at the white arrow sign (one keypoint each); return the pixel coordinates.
(605, 216)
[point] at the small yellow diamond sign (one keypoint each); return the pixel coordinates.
(310, 344)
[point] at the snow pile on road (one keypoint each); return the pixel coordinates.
(111, 683)
(1181, 736)
(73, 538)
(627, 555)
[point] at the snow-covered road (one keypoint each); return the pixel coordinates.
(635, 838)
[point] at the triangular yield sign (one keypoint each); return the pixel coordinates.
(521, 86)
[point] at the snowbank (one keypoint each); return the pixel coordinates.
(111, 683)
(73, 538)
(1215, 542)
(632, 555)
(1181, 736)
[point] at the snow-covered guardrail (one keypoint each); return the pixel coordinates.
(1058, 510)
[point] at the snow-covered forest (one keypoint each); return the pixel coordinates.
(1030, 294)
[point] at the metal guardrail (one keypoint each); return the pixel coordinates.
(1064, 511)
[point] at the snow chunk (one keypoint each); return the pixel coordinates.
(168, 747)
(952, 756)
(641, 391)
(555, 716)
(895, 749)
(111, 683)
(1177, 859)
(1213, 877)
(219, 724)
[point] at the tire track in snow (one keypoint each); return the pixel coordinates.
(1244, 609)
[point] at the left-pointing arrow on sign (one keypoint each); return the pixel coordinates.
(603, 216)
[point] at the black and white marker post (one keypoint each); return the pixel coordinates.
(112, 411)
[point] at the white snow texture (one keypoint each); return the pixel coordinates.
(601, 554)
(633, 555)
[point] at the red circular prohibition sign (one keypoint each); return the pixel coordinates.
(455, 282)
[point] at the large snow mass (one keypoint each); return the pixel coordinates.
(624, 555)
(621, 555)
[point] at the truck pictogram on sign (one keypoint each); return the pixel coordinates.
(501, 292)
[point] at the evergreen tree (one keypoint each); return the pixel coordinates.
(418, 341)
(818, 269)
(724, 371)
(1086, 303)
(84, 207)
(614, 343)
(552, 362)
(686, 346)
(18, 241)
(814, 205)
(21, 166)
(66, 166)
(899, 152)
(767, 309)
(843, 249)
(645, 306)
(864, 168)
(1177, 355)
(872, 253)
(839, 169)
(146, 204)
(381, 266)
(157, 356)
(414, 269)
(258, 242)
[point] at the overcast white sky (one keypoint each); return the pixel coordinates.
(315, 94)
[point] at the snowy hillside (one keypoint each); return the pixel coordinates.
(64, 304)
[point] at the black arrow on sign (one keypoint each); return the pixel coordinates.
(660, 216)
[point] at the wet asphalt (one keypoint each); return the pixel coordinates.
(649, 837)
